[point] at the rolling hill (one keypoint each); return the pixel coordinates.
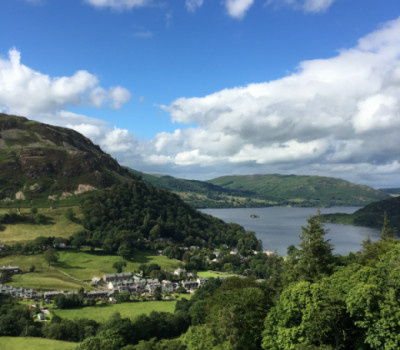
(42, 162)
(267, 190)
(301, 190)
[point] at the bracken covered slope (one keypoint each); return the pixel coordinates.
(43, 161)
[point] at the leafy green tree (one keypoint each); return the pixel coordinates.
(387, 232)
(124, 251)
(51, 256)
(5, 276)
(307, 316)
(157, 293)
(315, 258)
(119, 265)
(79, 239)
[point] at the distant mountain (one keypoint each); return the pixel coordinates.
(267, 190)
(44, 162)
(371, 215)
(392, 191)
(301, 190)
(201, 194)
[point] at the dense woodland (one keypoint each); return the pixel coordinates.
(124, 217)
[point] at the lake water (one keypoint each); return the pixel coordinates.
(279, 227)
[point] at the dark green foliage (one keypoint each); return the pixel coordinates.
(68, 301)
(314, 259)
(387, 232)
(68, 330)
(50, 255)
(69, 214)
(15, 319)
(315, 254)
(226, 316)
(371, 215)
(153, 344)
(5, 276)
(79, 239)
(132, 212)
(119, 265)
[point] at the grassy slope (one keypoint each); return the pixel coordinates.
(305, 190)
(85, 265)
(131, 310)
(73, 268)
(60, 226)
(24, 343)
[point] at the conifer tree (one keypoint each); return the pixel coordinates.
(315, 257)
(387, 231)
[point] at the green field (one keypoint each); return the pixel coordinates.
(44, 277)
(214, 274)
(131, 310)
(60, 226)
(29, 343)
(85, 265)
(73, 268)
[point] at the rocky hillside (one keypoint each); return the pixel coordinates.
(40, 161)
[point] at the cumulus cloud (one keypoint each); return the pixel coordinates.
(43, 94)
(238, 8)
(310, 6)
(27, 92)
(339, 113)
(193, 5)
(119, 4)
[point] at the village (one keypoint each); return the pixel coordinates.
(134, 285)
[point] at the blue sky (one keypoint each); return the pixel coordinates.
(203, 88)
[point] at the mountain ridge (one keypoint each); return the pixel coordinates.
(260, 190)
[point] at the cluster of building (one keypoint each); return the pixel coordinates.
(126, 282)
(18, 292)
(11, 269)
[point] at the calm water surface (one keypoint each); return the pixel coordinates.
(279, 227)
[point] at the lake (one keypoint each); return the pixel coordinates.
(279, 227)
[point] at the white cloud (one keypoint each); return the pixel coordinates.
(26, 92)
(119, 4)
(310, 6)
(337, 113)
(317, 5)
(238, 8)
(193, 5)
(43, 94)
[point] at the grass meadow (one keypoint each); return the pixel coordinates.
(24, 343)
(130, 310)
(59, 226)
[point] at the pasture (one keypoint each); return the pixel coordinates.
(130, 310)
(58, 226)
(23, 343)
